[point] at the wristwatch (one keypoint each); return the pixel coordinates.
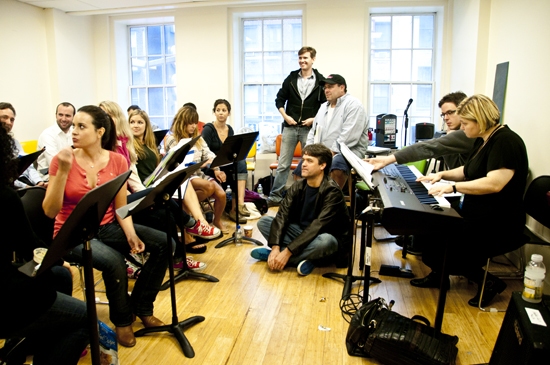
(453, 184)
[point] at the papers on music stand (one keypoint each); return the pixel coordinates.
(169, 160)
(363, 168)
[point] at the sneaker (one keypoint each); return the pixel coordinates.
(305, 267)
(191, 264)
(204, 230)
(260, 253)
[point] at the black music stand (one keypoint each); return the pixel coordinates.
(81, 227)
(234, 149)
(161, 195)
(23, 162)
(159, 135)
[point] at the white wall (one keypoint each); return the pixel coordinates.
(24, 66)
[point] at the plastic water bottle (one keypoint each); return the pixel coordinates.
(228, 194)
(260, 189)
(534, 280)
(239, 235)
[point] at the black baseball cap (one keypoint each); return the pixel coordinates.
(333, 79)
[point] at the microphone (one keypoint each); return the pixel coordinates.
(408, 105)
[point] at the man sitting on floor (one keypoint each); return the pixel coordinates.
(312, 222)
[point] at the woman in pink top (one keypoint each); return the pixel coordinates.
(74, 172)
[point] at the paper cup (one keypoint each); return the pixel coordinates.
(248, 231)
(39, 254)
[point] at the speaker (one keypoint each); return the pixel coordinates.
(521, 340)
(424, 131)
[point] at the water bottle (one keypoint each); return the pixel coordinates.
(228, 193)
(260, 190)
(239, 235)
(534, 280)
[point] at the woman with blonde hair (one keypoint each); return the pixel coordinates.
(147, 160)
(493, 181)
(185, 126)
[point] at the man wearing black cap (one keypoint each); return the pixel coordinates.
(342, 119)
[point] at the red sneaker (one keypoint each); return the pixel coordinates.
(191, 264)
(203, 230)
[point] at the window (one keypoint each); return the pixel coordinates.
(270, 51)
(153, 72)
(402, 67)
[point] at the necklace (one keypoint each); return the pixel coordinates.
(487, 140)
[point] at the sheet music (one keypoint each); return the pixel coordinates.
(363, 168)
(160, 167)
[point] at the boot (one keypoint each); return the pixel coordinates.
(493, 286)
(125, 336)
(243, 211)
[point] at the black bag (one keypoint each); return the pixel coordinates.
(375, 331)
(266, 185)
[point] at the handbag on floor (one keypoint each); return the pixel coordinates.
(376, 331)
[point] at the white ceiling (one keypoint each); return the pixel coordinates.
(90, 7)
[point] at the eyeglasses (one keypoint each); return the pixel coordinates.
(447, 113)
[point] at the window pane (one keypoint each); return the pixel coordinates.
(401, 65)
(156, 101)
(270, 93)
(137, 41)
(422, 66)
(380, 32)
(380, 99)
(292, 34)
(273, 35)
(154, 40)
(138, 97)
(252, 100)
(401, 32)
(273, 67)
(422, 95)
(156, 70)
(171, 100)
(290, 63)
(252, 34)
(400, 95)
(252, 122)
(380, 65)
(423, 31)
(170, 70)
(139, 71)
(158, 123)
(253, 71)
(169, 39)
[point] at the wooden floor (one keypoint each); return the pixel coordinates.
(255, 316)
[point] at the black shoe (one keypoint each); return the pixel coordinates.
(493, 286)
(433, 280)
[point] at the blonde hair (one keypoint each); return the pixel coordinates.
(122, 128)
(480, 109)
(184, 117)
(149, 139)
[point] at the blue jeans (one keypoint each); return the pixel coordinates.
(60, 334)
(322, 246)
(291, 137)
(108, 250)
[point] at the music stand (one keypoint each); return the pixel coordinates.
(23, 162)
(234, 149)
(159, 135)
(160, 195)
(81, 227)
(367, 219)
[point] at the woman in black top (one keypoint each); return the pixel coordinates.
(215, 134)
(54, 324)
(493, 181)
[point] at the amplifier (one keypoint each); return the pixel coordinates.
(423, 131)
(521, 340)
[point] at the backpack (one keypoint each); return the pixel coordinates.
(266, 185)
(254, 197)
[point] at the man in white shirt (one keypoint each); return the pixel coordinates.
(55, 137)
(342, 119)
(30, 176)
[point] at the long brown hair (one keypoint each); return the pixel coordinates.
(149, 140)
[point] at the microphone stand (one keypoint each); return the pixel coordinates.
(406, 123)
